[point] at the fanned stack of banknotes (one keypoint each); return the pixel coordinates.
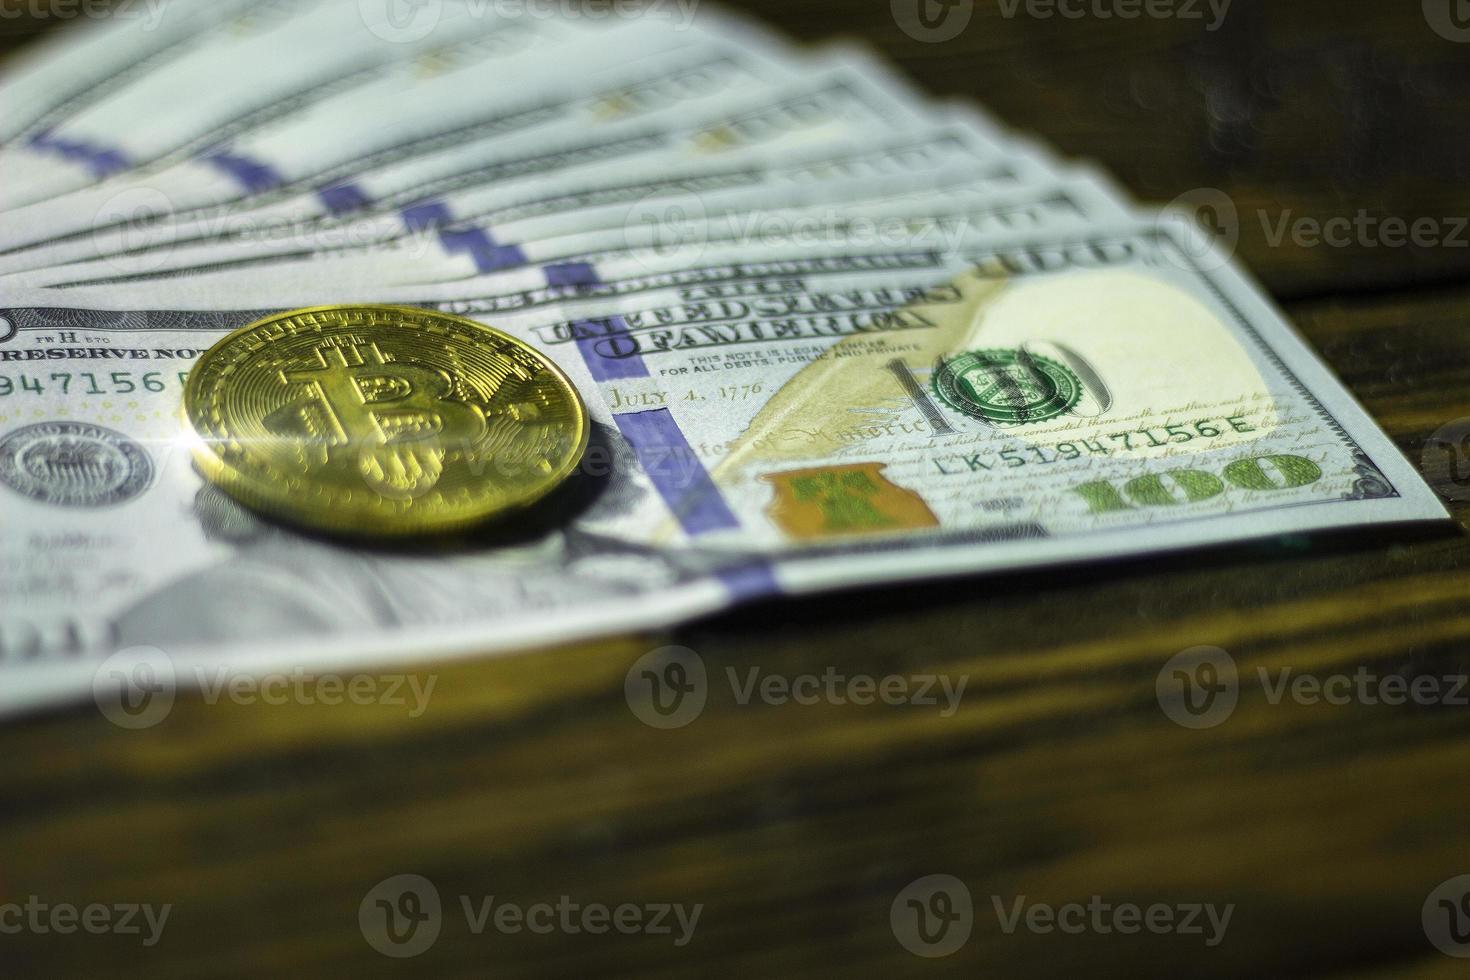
(828, 333)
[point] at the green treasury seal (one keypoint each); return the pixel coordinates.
(1007, 386)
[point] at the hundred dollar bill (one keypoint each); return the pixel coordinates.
(680, 237)
(156, 218)
(823, 172)
(322, 162)
(291, 53)
(837, 98)
(207, 149)
(69, 70)
(655, 234)
(836, 101)
(949, 149)
(957, 207)
(762, 427)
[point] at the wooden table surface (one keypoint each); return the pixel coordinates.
(1059, 777)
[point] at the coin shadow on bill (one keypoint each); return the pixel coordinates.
(600, 487)
(275, 581)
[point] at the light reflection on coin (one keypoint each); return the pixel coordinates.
(382, 420)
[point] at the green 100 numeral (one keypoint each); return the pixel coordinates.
(1187, 486)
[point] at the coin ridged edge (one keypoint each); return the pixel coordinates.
(240, 488)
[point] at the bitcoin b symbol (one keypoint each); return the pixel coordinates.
(398, 416)
(373, 400)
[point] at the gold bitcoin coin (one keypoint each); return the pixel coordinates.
(382, 420)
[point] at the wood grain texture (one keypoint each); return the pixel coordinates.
(1058, 778)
